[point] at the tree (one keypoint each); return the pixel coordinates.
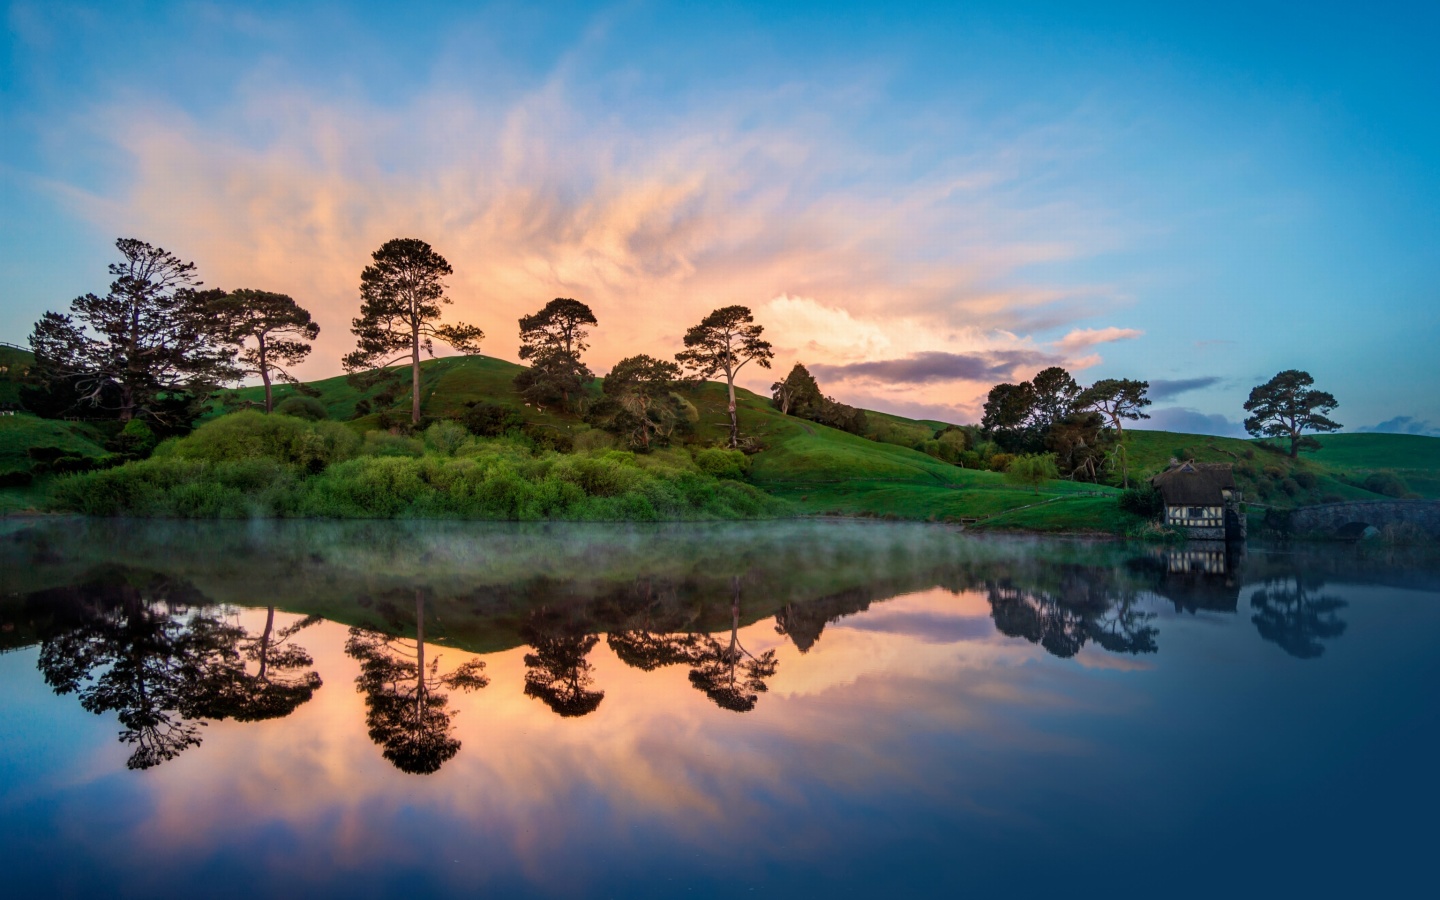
(269, 330)
(724, 342)
(557, 672)
(148, 347)
(641, 386)
(404, 710)
(730, 675)
(553, 339)
(1286, 406)
(1055, 393)
(1117, 399)
(1009, 416)
(1032, 470)
(280, 682)
(798, 391)
(1078, 443)
(400, 299)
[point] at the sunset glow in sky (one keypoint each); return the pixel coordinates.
(916, 205)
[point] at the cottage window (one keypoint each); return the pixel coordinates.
(1197, 512)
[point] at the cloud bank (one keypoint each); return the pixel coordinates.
(1404, 425)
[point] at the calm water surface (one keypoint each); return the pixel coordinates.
(371, 709)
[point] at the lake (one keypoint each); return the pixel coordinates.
(814, 708)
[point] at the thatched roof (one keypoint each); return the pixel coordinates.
(1194, 484)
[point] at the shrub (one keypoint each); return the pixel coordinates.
(490, 419)
(1000, 462)
(383, 443)
(254, 435)
(1306, 480)
(446, 437)
(1031, 470)
(1290, 486)
(302, 407)
(135, 439)
(1387, 483)
(970, 459)
(15, 479)
(1274, 472)
(593, 439)
(1144, 501)
(722, 463)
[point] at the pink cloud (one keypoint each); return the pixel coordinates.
(1080, 338)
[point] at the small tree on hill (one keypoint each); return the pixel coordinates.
(1286, 407)
(641, 385)
(147, 348)
(1117, 399)
(724, 342)
(798, 391)
(270, 330)
(400, 299)
(1032, 470)
(552, 341)
(1009, 415)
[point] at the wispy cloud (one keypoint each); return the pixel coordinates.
(931, 367)
(1163, 389)
(1081, 338)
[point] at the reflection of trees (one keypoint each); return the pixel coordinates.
(404, 710)
(1085, 605)
(639, 638)
(276, 687)
(557, 672)
(729, 674)
(803, 622)
(128, 642)
(1288, 613)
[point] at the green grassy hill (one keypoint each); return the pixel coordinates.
(821, 470)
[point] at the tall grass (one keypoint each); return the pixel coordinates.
(250, 465)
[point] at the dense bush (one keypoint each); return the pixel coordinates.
(135, 439)
(1031, 470)
(722, 463)
(1306, 480)
(999, 462)
(1386, 483)
(1143, 500)
(491, 419)
(483, 479)
(446, 437)
(302, 407)
(253, 435)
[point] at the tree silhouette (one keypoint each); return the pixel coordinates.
(728, 674)
(270, 330)
(723, 343)
(405, 712)
(557, 672)
(552, 341)
(149, 346)
(279, 683)
(638, 640)
(1289, 614)
(642, 388)
(400, 299)
(140, 645)
(1118, 400)
(1286, 407)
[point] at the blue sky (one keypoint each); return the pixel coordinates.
(1196, 197)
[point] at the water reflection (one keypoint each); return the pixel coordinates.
(143, 645)
(1084, 604)
(405, 712)
(729, 674)
(557, 672)
(1292, 614)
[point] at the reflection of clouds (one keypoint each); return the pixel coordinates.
(528, 782)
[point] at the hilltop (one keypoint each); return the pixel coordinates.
(815, 469)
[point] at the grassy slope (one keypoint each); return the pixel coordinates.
(1339, 466)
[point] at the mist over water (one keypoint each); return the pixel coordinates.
(371, 708)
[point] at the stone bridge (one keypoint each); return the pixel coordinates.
(1349, 520)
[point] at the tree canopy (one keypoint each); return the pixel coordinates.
(642, 389)
(552, 340)
(1286, 407)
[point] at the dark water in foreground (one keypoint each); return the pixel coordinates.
(817, 709)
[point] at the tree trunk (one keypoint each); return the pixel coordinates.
(734, 419)
(265, 376)
(265, 642)
(415, 378)
(1124, 463)
(419, 656)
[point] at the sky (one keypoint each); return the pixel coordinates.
(916, 203)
